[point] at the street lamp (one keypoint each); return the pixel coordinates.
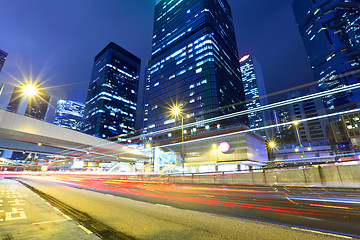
(176, 111)
(271, 145)
(296, 123)
(149, 146)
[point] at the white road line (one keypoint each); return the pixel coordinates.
(163, 205)
(66, 216)
(61, 220)
(85, 229)
(56, 209)
(323, 233)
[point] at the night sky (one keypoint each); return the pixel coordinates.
(58, 39)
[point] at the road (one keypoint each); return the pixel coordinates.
(333, 211)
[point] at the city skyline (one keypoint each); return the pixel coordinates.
(75, 73)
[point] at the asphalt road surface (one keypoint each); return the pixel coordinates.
(330, 211)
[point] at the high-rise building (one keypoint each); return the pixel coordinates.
(35, 106)
(111, 103)
(313, 130)
(330, 30)
(69, 114)
(3, 56)
(255, 94)
(194, 63)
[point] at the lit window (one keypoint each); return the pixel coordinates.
(199, 70)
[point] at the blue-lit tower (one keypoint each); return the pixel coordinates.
(330, 30)
(3, 56)
(194, 63)
(69, 114)
(111, 102)
(255, 94)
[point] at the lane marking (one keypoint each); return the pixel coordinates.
(18, 212)
(85, 229)
(66, 216)
(56, 209)
(163, 205)
(323, 233)
(61, 220)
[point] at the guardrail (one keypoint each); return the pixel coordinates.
(330, 176)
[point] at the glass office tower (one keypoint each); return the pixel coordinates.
(194, 63)
(255, 94)
(36, 106)
(3, 56)
(111, 103)
(330, 30)
(69, 114)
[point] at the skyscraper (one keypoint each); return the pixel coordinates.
(194, 63)
(3, 56)
(330, 30)
(36, 106)
(313, 130)
(255, 93)
(111, 103)
(69, 114)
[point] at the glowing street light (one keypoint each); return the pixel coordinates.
(148, 145)
(271, 145)
(30, 90)
(176, 111)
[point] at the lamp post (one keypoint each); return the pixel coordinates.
(148, 146)
(296, 123)
(271, 145)
(176, 111)
(216, 148)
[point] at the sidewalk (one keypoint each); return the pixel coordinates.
(24, 215)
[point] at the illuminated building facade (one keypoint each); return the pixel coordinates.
(345, 134)
(111, 103)
(313, 130)
(69, 114)
(3, 56)
(255, 93)
(194, 64)
(36, 106)
(330, 30)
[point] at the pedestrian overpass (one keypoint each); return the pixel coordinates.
(22, 133)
